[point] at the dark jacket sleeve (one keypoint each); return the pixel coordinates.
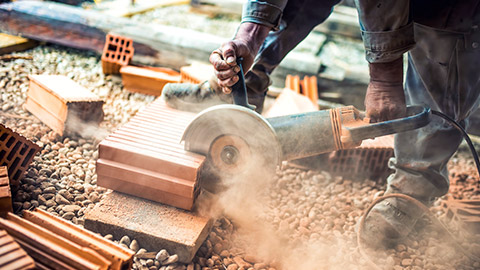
(387, 29)
(266, 12)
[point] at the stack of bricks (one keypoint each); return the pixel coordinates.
(307, 87)
(466, 213)
(145, 158)
(62, 104)
(5, 193)
(16, 152)
(118, 52)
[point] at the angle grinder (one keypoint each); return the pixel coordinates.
(238, 141)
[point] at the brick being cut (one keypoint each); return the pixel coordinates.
(145, 158)
(62, 104)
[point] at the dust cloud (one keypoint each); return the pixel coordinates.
(85, 129)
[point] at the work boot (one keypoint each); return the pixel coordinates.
(389, 221)
(193, 97)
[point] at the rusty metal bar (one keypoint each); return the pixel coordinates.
(55, 247)
(119, 257)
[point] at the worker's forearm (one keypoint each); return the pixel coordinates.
(389, 72)
(253, 34)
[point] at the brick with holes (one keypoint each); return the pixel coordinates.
(465, 213)
(12, 256)
(63, 105)
(5, 194)
(16, 152)
(118, 52)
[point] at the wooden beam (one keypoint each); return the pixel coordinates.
(86, 29)
(9, 43)
(125, 8)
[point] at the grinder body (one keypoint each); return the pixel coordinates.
(237, 140)
(313, 133)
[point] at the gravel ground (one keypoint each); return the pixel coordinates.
(302, 220)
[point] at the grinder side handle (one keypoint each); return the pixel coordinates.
(239, 90)
(417, 117)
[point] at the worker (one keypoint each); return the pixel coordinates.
(261, 49)
(442, 39)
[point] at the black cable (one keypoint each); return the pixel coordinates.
(465, 136)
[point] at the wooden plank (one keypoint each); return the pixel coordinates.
(9, 43)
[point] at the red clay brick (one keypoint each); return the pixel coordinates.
(120, 258)
(118, 52)
(196, 73)
(16, 152)
(62, 104)
(145, 158)
(147, 80)
(307, 87)
(5, 194)
(12, 256)
(370, 159)
(50, 249)
(466, 213)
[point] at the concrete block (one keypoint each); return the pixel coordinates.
(16, 152)
(62, 104)
(155, 226)
(147, 80)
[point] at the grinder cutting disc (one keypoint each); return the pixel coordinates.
(238, 143)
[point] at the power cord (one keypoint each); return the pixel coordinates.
(420, 205)
(465, 136)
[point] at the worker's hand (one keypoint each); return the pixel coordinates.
(385, 98)
(246, 44)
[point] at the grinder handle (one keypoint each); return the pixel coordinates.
(417, 117)
(239, 90)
